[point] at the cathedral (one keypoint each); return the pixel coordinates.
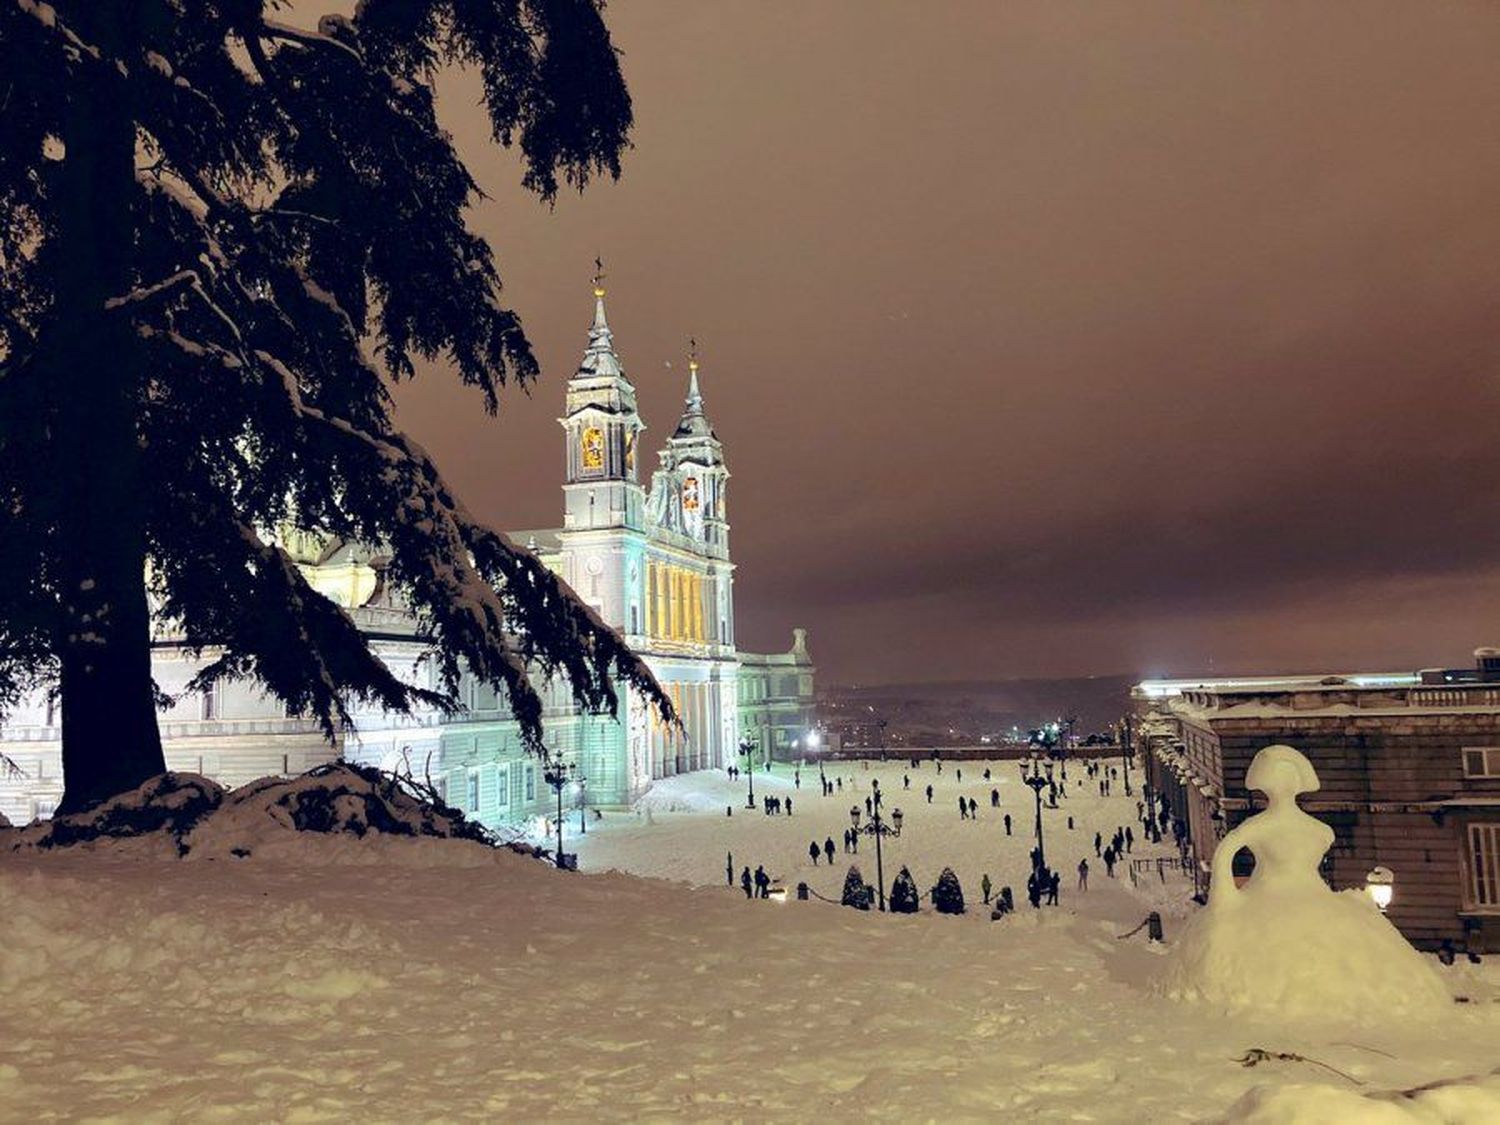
(651, 557)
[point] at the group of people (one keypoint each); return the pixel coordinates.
(1042, 883)
(754, 886)
(774, 806)
(1004, 901)
(814, 850)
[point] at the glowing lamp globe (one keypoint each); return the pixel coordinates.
(1380, 883)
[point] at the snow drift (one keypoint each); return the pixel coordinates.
(194, 818)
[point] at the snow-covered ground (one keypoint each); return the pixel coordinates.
(681, 831)
(425, 979)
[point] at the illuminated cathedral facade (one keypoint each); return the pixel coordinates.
(649, 553)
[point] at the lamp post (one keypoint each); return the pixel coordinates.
(558, 775)
(1380, 883)
(583, 792)
(747, 749)
(876, 828)
(1127, 749)
(1037, 783)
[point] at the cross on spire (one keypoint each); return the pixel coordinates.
(599, 276)
(692, 353)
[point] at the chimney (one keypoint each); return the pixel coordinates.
(1488, 662)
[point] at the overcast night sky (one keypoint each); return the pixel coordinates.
(1044, 339)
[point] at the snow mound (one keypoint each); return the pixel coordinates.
(157, 814)
(273, 817)
(4, 821)
(331, 814)
(1464, 1101)
(1285, 943)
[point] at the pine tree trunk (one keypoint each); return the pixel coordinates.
(109, 732)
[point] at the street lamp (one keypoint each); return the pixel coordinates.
(1037, 783)
(1127, 748)
(558, 774)
(876, 828)
(747, 749)
(1380, 885)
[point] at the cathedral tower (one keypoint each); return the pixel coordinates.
(603, 428)
(694, 461)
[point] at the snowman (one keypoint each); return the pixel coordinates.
(1284, 942)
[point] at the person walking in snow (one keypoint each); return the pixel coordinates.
(906, 781)
(1053, 882)
(973, 809)
(1083, 874)
(797, 779)
(1098, 843)
(788, 806)
(1109, 862)
(729, 869)
(929, 794)
(994, 798)
(1129, 839)
(745, 881)
(1007, 900)
(1007, 824)
(984, 886)
(828, 850)
(1034, 890)
(869, 809)
(986, 775)
(762, 882)
(963, 809)
(814, 851)
(1070, 824)
(959, 772)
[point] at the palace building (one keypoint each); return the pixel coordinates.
(1409, 779)
(650, 556)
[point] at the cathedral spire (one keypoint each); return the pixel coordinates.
(694, 395)
(599, 358)
(694, 423)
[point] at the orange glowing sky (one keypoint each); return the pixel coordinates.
(1044, 338)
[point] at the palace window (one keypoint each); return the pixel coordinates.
(473, 792)
(1484, 865)
(1482, 761)
(211, 703)
(502, 786)
(530, 784)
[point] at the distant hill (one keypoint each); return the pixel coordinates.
(923, 711)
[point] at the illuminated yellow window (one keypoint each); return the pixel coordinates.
(593, 448)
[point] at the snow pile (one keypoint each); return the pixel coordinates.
(1475, 1099)
(157, 815)
(1285, 943)
(267, 818)
(190, 816)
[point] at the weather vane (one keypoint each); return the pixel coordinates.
(693, 353)
(598, 276)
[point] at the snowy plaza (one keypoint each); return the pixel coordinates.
(326, 978)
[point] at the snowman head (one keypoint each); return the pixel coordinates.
(1280, 771)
